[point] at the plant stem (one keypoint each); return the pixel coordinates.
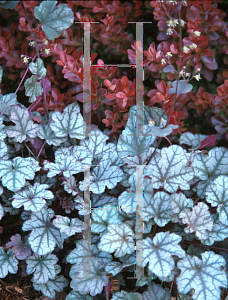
(37, 53)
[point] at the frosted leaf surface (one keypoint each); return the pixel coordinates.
(169, 169)
(156, 291)
(158, 252)
(83, 251)
(43, 268)
(54, 18)
(205, 276)
(198, 220)
(118, 239)
(179, 202)
(123, 295)
(70, 122)
(191, 139)
(33, 88)
(44, 236)
(208, 166)
(217, 194)
(33, 197)
(218, 233)
(50, 288)
(103, 217)
(24, 126)
(85, 282)
(47, 134)
(102, 176)
(130, 142)
(159, 209)
(8, 262)
(15, 172)
(67, 225)
(38, 67)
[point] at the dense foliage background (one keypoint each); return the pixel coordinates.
(187, 40)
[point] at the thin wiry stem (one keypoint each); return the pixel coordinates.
(178, 75)
(38, 55)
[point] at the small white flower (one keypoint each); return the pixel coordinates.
(197, 33)
(162, 121)
(193, 46)
(169, 31)
(25, 60)
(175, 22)
(186, 49)
(169, 54)
(47, 51)
(170, 23)
(46, 42)
(187, 74)
(163, 61)
(182, 23)
(151, 123)
(32, 43)
(197, 77)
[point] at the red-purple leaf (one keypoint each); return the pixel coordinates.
(208, 141)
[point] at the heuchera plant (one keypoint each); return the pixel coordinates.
(104, 213)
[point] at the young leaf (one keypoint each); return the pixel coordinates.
(131, 142)
(70, 122)
(43, 267)
(44, 235)
(118, 239)
(20, 249)
(8, 262)
(33, 197)
(38, 67)
(24, 125)
(198, 220)
(54, 18)
(4, 100)
(179, 202)
(67, 226)
(183, 87)
(15, 172)
(33, 88)
(205, 276)
(70, 186)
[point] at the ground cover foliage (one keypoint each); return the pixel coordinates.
(155, 171)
